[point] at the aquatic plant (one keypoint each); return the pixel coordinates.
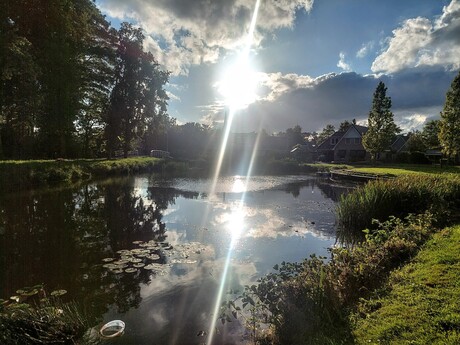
(398, 197)
(49, 322)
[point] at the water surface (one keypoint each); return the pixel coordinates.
(60, 238)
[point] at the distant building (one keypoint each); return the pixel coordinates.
(344, 146)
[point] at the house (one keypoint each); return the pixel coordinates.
(344, 146)
(304, 152)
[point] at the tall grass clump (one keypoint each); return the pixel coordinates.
(398, 197)
(52, 322)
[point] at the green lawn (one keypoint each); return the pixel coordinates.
(423, 305)
(404, 169)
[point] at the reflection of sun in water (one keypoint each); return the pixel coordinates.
(238, 186)
(236, 222)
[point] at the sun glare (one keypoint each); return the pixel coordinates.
(238, 86)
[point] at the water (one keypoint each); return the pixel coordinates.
(60, 237)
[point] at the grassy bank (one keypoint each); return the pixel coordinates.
(406, 169)
(26, 174)
(422, 302)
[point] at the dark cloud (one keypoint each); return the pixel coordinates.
(416, 95)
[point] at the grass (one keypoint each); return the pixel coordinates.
(423, 302)
(407, 169)
(52, 322)
(398, 197)
(26, 174)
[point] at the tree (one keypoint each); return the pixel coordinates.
(430, 134)
(344, 125)
(415, 143)
(449, 126)
(325, 133)
(382, 127)
(137, 96)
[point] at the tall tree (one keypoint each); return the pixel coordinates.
(97, 82)
(430, 134)
(325, 133)
(382, 127)
(19, 90)
(449, 126)
(138, 94)
(344, 125)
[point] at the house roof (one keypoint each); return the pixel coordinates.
(399, 143)
(326, 144)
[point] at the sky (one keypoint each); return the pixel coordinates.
(310, 63)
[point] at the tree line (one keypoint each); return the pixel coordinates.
(73, 86)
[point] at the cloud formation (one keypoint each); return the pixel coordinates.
(290, 99)
(189, 32)
(423, 42)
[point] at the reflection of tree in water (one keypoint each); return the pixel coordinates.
(59, 237)
(294, 188)
(334, 191)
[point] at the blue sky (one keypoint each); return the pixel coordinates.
(317, 62)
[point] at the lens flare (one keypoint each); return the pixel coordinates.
(234, 100)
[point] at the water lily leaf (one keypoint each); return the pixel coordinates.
(139, 265)
(110, 266)
(31, 292)
(153, 257)
(130, 270)
(137, 242)
(117, 270)
(58, 293)
(108, 259)
(135, 261)
(20, 291)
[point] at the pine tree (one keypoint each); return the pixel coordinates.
(449, 133)
(382, 127)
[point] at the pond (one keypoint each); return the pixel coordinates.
(152, 251)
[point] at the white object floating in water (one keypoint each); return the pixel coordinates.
(112, 329)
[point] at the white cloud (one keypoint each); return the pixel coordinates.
(423, 42)
(195, 31)
(342, 64)
(365, 49)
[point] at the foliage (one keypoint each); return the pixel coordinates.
(382, 127)
(137, 95)
(60, 62)
(325, 133)
(449, 126)
(430, 134)
(49, 322)
(422, 302)
(416, 143)
(398, 197)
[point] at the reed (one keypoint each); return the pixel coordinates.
(399, 197)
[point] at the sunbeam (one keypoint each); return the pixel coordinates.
(236, 96)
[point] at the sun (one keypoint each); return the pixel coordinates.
(239, 83)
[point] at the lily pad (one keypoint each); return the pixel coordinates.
(108, 259)
(131, 270)
(57, 293)
(135, 261)
(123, 252)
(153, 257)
(137, 242)
(116, 270)
(139, 265)
(110, 266)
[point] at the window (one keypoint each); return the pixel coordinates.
(333, 141)
(348, 140)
